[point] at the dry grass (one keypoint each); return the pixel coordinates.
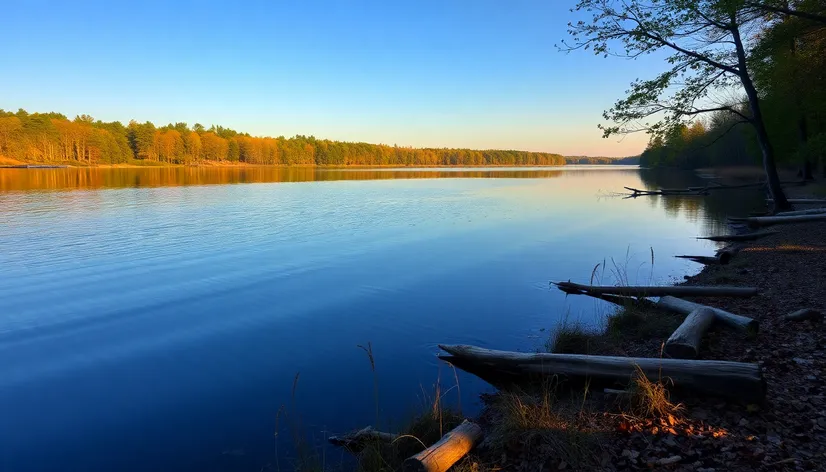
(650, 399)
(540, 426)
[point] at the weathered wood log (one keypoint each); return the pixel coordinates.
(721, 258)
(684, 343)
(811, 211)
(740, 237)
(442, 455)
(804, 314)
(356, 441)
(643, 291)
(723, 378)
(803, 201)
(679, 305)
(759, 221)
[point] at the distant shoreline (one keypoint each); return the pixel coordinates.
(213, 164)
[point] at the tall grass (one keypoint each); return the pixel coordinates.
(424, 427)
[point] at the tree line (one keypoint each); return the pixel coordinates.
(788, 67)
(52, 137)
(754, 68)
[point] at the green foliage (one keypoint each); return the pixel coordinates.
(50, 137)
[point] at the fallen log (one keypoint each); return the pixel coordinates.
(442, 455)
(684, 343)
(356, 441)
(722, 258)
(679, 305)
(804, 314)
(811, 211)
(723, 378)
(759, 221)
(658, 291)
(740, 237)
(803, 201)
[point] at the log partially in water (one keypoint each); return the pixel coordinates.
(684, 343)
(740, 237)
(357, 440)
(723, 378)
(722, 258)
(811, 211)
(442, 455)
(759, 221)
(657, 291)
(679, 305)
(803, 201)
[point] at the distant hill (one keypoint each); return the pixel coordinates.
(631, 160)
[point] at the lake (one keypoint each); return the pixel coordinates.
(155, 319)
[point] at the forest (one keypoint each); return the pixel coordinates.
(787, 64)
(53, 138)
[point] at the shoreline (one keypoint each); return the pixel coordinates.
(552, 428)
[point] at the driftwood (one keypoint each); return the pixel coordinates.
(357, 440)
(740, 237)
(686, 307)
(635, 192)
(730, 379)
(804, 314)
(758, 221)
(684, 343)
(658, 291)
(811, 211)
(803, 201)
(442, 455)
(722, 258)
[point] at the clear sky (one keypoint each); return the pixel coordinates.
(476, 73)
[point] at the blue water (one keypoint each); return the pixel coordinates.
(161, 328)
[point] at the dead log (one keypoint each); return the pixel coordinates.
(812, 211)
(679, 305)
(658, 291)
(740, 237)
(803, 201)
(684, 343)
(356, 441)
(804, 314)
(442, 455)
(759, 221)
(723, 378)
(721, 258)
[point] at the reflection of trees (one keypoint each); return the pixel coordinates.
(710, 210)
(86, 178)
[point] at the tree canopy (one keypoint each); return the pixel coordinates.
(715, 48)
(52, 137)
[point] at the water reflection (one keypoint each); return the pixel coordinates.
(710, 210)
(93, 178)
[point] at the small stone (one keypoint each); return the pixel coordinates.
(670, 460)
(821, 422)
(743, 422)
(630, 454)
(799, 361)
(773, 439)
(811, 378)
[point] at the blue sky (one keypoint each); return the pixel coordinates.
(477, 74)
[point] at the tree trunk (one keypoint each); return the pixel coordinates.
(660, 291)
(780, 202)
(686, 307)
(722, 378)
(684, 343)
(442, 455)
(356, 441)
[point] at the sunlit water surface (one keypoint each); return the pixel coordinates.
(155, 319)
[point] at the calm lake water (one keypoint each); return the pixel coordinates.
(155, 319)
